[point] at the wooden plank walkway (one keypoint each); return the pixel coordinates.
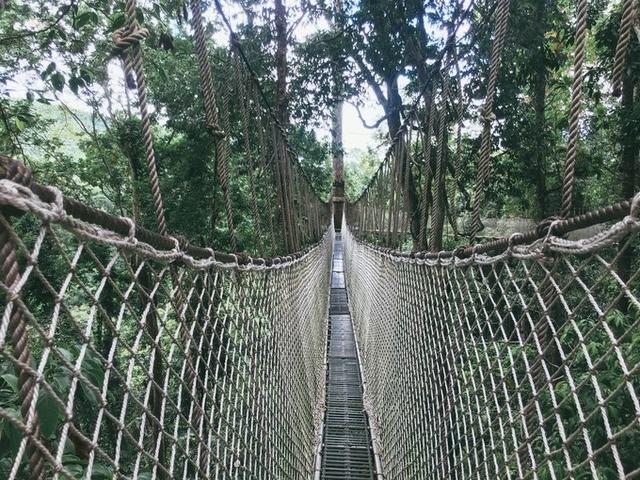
(347, 452)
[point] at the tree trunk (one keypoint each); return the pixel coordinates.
(337, 148)
(539, 99)
(282, 102)
(630, 149)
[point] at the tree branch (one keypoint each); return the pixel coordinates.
(372, 126)
(368, 75)
(63, 11)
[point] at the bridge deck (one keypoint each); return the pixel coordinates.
(347, 452)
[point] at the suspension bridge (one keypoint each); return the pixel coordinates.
(351, 345)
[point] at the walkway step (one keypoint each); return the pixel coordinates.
(346, 452)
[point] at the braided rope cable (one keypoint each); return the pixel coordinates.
(457, 164)
(244, 113)
(14, 323)
(436, 205)
(487, 115)
(262, 154)
(622, 47)
(204, 69)
(213, 122)
(424, 207)
(576, 108)
(223, 159)
(127, 44)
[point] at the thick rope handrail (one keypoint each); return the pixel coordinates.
(121, 226)
(556, 230)
(24, 199)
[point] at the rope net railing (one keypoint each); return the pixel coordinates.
(517, 364)
(127, 354)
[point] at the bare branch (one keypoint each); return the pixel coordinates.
(372, 126)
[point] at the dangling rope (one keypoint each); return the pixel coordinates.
(424, 207)
(457, 164)
(209, 99)
(576, 106)
(622, 48)
(487, 115)
(244, 112)
(223, 160)
(127, 45)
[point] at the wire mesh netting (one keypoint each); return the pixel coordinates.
(116, 364)
(521, 365)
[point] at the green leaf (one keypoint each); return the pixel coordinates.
(49, 70)
(11, 380)
(10, 432)
(85, 75)
(57, 80)
(74, 83)
(117, 21)
(48, 413)
(85, 18)
(101, 472)
(20, 125)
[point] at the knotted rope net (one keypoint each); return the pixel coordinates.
(238, 386)
(521, 364)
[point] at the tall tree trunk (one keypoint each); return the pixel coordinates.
(539, 99)
(630, 150)
(282, 166)
(282, 102)
(337, 148)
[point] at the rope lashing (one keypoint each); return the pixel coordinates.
(576, 108)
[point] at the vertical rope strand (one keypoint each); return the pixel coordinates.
(426, 149)
(484, 160)
(209, 99)
(576, 108)
(18, 336)
(622, 47)
(127, 43)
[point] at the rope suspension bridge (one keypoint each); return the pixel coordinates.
(347, 347)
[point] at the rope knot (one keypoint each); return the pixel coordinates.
(123, 40)
(487, 115)
(216, 132)
(634, 212)
(542, 229)
(127, 37)
(15, 171)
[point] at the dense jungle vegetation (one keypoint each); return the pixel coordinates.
(66, 113)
